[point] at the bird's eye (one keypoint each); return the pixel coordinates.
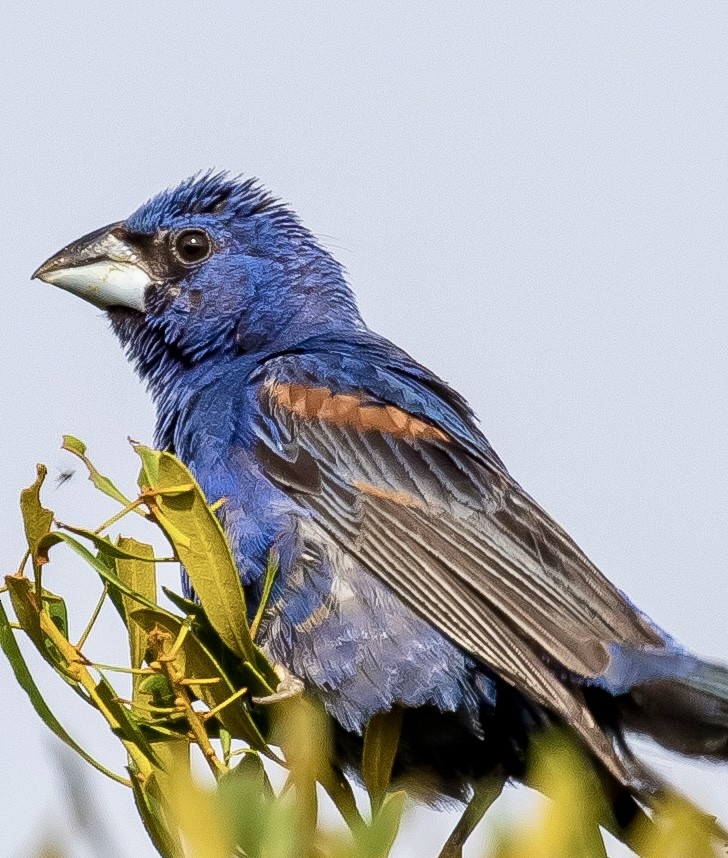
(191, 246)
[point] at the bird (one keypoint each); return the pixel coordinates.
(415, 573)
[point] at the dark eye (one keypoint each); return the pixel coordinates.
(191, 246)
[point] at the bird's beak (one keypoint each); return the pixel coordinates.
(100, 268)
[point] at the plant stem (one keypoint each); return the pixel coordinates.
(26, 557)
(94, 616)
(120, 514)
(77, 670)
(160, 642)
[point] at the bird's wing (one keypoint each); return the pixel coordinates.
(452, 534)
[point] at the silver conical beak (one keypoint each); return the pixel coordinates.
(100, 268)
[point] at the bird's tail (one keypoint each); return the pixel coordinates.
(681, 702)
(684, 707)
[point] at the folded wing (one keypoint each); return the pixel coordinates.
(455, 537)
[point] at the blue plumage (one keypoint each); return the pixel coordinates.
(414, 570)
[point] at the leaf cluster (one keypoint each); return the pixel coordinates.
(199, 681)
(201, 684)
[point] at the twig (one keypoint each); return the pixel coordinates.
(220, 706)
(26, 558)
(121, 513)
(159, 643)
(77, 670)
(94, 616)
(114, 668)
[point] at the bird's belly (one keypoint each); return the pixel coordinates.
(360, 650)
(358, 647)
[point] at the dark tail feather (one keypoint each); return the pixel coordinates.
(682, 703)
(686, 713)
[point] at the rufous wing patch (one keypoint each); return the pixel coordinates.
(346, 409)
(400, 498)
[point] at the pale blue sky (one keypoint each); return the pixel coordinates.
(528, 196)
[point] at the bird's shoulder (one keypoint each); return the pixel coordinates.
(364, 370)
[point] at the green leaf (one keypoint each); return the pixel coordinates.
(137, 570)
(340, 792)
(25, 680)
(157, 688)
(73, 445)
(376, 840)
(271, 571)
(174, 755)
(187, 606)
(247, 786)
(102, 483)
(26, 609)
(25, 605)
(56, 607)
(148, 800)
(226, 743)
(381, 738)
(68, 662)
(127, 725)
(196, 662)
(104, 544)
(37, 520)
(149, 474)
(485, 792)
(203, 550)
(103, 566)
(262, 683)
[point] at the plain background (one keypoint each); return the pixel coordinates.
(530, 197)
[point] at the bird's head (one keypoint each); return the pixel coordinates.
(213, 267)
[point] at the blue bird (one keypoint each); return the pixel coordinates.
(415, 572)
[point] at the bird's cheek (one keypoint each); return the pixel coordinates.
(161, 298)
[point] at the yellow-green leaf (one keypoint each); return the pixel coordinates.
(149, 474)
(11, 649)
(381, 738)
(197, 812)
(29, 617)
(37, 520)
(376, 840)
(102, 483)
(140, 576)
(187, 606)
(149, 803)
(27, 610)
(271, 571)
(56, 607)
(248, 786)
(204, 552)
(104, 544)
(127, 725)
(103, 566)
